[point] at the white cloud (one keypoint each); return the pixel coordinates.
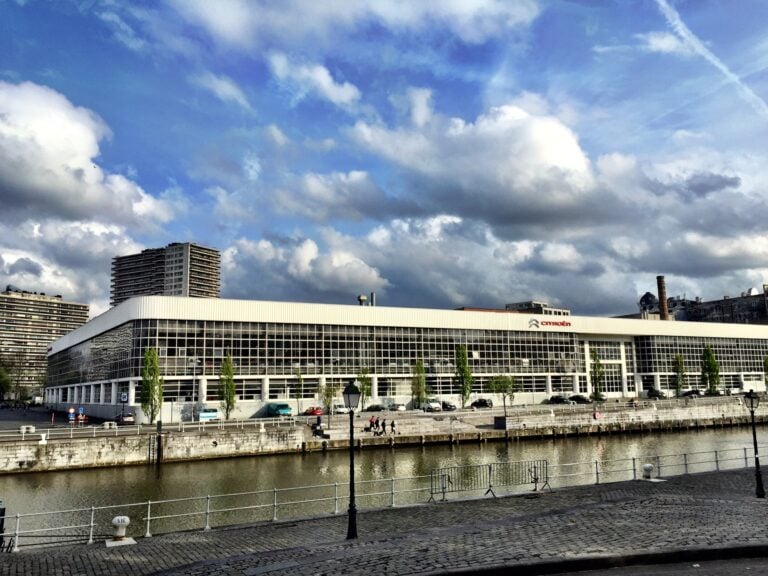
(246, 25)
(313, 78)
(666, 43)
(224, 88)
(277, 136)
(48, 151)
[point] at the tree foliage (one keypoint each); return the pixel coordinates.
(364, 378)
(597, 373)
(151, 385)
(227, 386)
(710, 371)
(299, 389)
(463, 374)
(418, 384)
(679, 377)
(505, 386)
(327, 394)
(5, 382)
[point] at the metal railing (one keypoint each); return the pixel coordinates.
(66, 431)
(85, 525)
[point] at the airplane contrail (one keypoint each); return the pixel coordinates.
(677, 24)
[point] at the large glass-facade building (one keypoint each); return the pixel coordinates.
(291, 351)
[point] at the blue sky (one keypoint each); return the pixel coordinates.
(442, 154)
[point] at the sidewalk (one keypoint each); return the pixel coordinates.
(696, 517)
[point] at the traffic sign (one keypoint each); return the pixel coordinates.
(123, 396)
(81, 410)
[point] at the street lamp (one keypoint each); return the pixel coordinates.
(351, 399)
(752, 401)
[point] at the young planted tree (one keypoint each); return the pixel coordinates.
(299, 389)
(505, 386)
(365, 385)
(327, 394)
(597, 373)
(463, 374)
(227, 386)
(418, 384)
(151, 385)
(679, 377)
(710, 371)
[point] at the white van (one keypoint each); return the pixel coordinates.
(206, 414)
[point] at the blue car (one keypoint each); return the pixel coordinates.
(275, 409)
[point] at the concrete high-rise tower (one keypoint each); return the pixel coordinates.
(176, 270)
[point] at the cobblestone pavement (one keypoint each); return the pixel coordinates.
(702, 516)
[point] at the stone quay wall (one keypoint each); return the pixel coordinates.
(122, 448)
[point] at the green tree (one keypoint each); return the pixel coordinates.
(327, 394)
(151, 385)
(418, 384)
(597, 373)
(710, 371)
(463, 374)
(765, 371)
(364, 378)
(679, 377)
(5, 382)
(299, 389)
(506, 386)
(227, 386)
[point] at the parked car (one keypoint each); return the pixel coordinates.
(398, 407)
(653, 393)
(432, 405)
(375, 408)
(314, 411)
(558, 399)
(448, 406)
(482, 403)
(580, 399)
(206, 414)
(128, 419)
(340, 409)
(695, 393)
(275, 409)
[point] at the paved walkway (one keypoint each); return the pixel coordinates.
(695, 517)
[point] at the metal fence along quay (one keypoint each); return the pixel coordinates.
(87, 525)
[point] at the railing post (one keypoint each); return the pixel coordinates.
(16, 534)
(746, 458)
(148, 534)
(274, 504)
(658, 466)
(90, 534)
(634, 468)
(685, 461)
(335, 497)
(597, 472)
(207, 512)
(392, 502)
(717, 462)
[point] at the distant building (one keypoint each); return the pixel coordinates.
(176, 270)
(750, 307)
(29, 323)
(534, 307)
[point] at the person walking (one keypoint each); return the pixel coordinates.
(371, 422)
(383, 426)
(392, 426)
(376, 424)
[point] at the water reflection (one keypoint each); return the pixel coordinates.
(84, 488)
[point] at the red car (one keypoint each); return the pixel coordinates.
(313, 411)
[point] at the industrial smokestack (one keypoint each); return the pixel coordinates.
(373, 299)
(663, 309)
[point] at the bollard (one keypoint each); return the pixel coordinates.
(647, 471)
(120, 524)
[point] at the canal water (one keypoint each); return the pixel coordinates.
(31, 492)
